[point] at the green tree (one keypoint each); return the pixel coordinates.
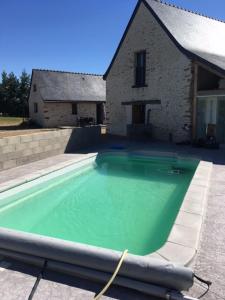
(3, 96)
(14, 94)
(24, 89)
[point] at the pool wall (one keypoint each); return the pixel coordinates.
(153, 269)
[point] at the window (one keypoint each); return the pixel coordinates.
(138, 114)
(35, 107)
(34, 88)
(140, 68)
(74, 109)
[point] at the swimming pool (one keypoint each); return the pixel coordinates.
(116, 201)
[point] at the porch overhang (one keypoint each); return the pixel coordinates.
(74, 101)
(142, 102)
(211, 93)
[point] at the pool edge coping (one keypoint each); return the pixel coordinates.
(183, 241)
(10, 184)
(178, 248)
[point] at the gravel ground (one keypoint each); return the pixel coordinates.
(210, 259)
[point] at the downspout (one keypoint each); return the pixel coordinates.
(194, 100)
(148, 116)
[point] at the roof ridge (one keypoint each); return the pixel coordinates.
(190, 11)
(69, 72)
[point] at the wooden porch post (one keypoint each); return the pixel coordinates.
(194, 101)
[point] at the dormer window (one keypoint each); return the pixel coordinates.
(140, 68)
(34, 88)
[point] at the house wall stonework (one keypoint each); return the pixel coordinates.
(60, 114)
(168, 76)
(57, 114)
(35, 97)
(87, 110)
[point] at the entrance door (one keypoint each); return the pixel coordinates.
(221, 121)
(100, 113)
(201, 118)
(211, 112)
(138, 114)
(206, 114)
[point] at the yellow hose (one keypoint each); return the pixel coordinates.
(113, 276)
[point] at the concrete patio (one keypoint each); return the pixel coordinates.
(17, 279)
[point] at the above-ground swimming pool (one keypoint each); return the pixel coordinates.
(116, 202)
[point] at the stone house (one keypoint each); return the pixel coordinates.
(66, 99)
(167, 77)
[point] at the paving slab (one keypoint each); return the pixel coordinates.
(192, 207)
(188, 219)
(177, 253)
(16, 282)
(35, 166)
(184, 236)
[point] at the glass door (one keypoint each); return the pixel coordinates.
(201, 125)
(206, 114)
(221, 120)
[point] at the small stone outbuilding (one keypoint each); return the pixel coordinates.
(66, 99)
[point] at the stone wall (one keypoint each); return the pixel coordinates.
(87, 110)
(168, 78)
(57, 114)
(60, 114)
(35, 97)
(22, 149)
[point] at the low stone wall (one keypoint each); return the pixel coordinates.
(22, 149)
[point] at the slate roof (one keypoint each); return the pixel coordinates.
(197, 36)
(69, 86)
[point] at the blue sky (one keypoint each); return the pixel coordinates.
(71, 35)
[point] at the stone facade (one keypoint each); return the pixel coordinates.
(57, 114)
(19, 150)
(35, 97)
(60, 114)
(168, 77)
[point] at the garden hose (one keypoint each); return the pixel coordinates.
(113, 276)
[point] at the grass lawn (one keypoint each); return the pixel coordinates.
(12, 126)
(10, 121)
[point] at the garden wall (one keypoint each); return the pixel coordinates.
(22, 149)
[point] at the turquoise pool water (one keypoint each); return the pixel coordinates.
(119, 202)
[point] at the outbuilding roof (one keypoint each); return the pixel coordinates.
(197, 36)
(68, 86)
